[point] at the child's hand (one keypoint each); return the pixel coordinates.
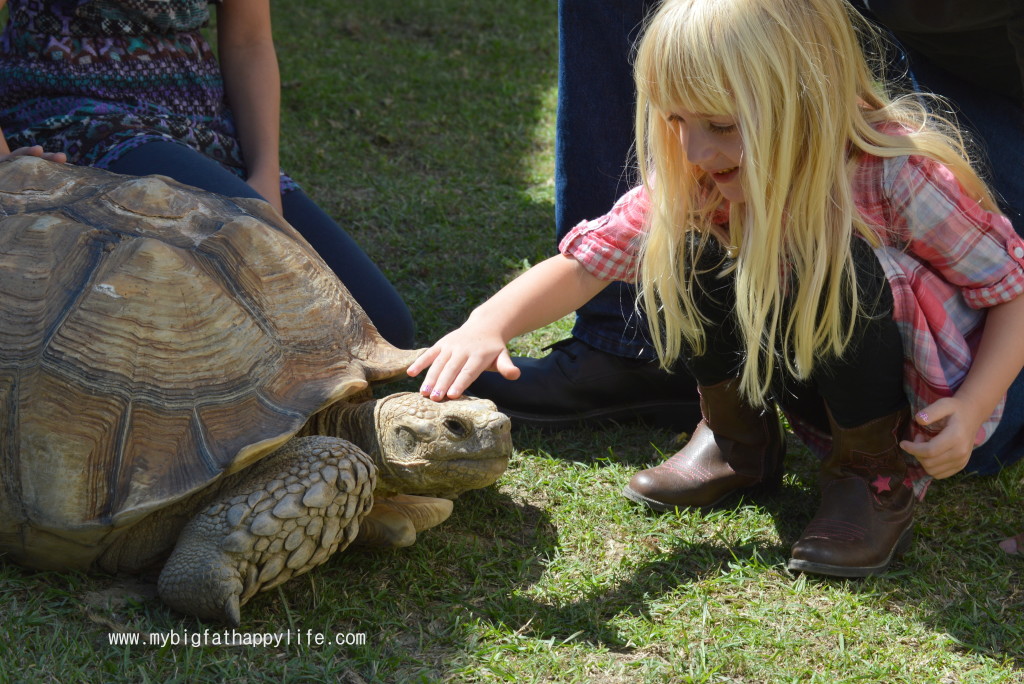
(546, 292)
(36, 151)
(948, 451)
(458, 358)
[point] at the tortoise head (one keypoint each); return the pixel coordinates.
(439, 448)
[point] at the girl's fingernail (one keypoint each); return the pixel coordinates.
(435, 394)
(426, 389)
(922, 417)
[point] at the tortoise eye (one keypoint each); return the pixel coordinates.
(456, 427)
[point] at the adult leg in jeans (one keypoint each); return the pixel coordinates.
(360, 275)
(606, 370)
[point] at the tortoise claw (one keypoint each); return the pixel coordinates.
(232, 612)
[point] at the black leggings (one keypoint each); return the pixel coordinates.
(368, 285)
(865, 383)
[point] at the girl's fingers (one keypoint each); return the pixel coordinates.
(919, 450)
(939, 459)
(37, 151)
(464, 379)
(442, 385)
(504, 365)
(926, 452)
(477, 365)
(431, 379)
(422, 361)
(935, 412)
(943, 470)
(32, 151)
(452, 365)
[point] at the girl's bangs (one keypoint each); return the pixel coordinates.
(681, 65)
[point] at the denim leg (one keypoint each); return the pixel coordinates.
(966, 57)
(353, 267)
(368, 285)
(184, 165)
(593, 144)
(977, 40)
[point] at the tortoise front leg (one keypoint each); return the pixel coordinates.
(395, 521)
(278, 518)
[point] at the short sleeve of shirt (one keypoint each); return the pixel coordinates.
(973, 249)
(608, 247)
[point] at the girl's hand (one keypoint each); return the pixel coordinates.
(546, 292)
(36, 151)
(947, 452)
(458, 358)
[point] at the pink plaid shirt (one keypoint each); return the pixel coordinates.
(945, 258)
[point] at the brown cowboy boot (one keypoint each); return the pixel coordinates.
(867, 511)
(736, 447)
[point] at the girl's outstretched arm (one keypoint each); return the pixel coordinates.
(551, 289)
(997, 363)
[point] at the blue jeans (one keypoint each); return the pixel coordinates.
(593, 143)
(962, 50)
(1006, 445)
(360, 275)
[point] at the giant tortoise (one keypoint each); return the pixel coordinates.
(183, 381)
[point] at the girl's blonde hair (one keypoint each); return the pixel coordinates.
(793, 75)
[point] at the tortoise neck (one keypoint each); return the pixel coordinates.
(354, 422)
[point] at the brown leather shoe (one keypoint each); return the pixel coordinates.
(736, 447)
(866, 516)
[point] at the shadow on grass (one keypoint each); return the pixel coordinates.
(963, 587)
(588, 617)
(415, 124)
(969, 588)
(470, 582)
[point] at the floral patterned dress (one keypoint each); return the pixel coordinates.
(97, 78)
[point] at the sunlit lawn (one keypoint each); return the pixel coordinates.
(426, 128)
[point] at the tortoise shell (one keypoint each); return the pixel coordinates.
(154, 337)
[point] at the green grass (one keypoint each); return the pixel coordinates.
(426, 128)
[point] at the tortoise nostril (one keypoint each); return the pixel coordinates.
(456, 427)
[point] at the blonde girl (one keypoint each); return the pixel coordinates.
(805, 241)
